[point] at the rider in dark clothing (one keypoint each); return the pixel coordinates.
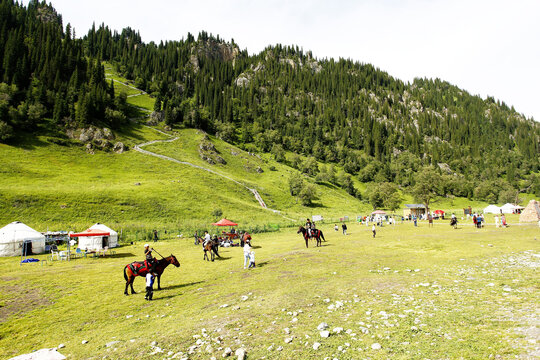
(309, 226)
(149, 258)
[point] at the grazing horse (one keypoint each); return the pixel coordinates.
(315, 233)
(453, 222)
(211, 247)
(138, 268)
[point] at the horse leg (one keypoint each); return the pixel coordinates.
(159, 282)
(126, 290)
(131, 283)
(307, 243)
(212, 255)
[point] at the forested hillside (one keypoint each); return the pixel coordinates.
(282, 100)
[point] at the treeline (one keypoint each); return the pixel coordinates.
(46, 75)
(371, 126)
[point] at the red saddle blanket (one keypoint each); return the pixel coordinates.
(139, 267)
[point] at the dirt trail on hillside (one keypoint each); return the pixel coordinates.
(164, 157)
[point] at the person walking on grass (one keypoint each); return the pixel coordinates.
(251, 259)
(335, 227)
(374, 230)
(149, 286)
(344, 227)
(247, 250)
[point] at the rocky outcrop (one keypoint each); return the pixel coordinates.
(155, 118)
(119, 148)
(215, 50)
(95, 138)
(209, 153)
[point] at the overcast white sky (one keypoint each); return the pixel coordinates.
(485, 47)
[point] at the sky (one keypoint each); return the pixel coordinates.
(489, 48)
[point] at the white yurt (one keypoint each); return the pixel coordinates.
(113, 237)
(97, 237)
(14, 235)
(508, 208)
(492, 209)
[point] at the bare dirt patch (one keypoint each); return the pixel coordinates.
(20, 300)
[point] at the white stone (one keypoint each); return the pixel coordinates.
(84, 342)
(227, 352)
(316, 346)
(376, 346)
(322, 326)
(279, 348)
(244, 298)
(61, 346)
(287, 331)
(240, 353)
(288, 340)
(337, 330)
(325, 333)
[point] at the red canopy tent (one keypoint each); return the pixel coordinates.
(90, 232)
(225, 222)
(440, 212)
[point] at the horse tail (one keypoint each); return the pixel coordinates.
(320, 233)
(125, 274)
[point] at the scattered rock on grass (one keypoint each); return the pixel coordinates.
(316, 346)
(322, 326)
(376, 346)
(325, 333)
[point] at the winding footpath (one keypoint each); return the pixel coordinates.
(164, 157)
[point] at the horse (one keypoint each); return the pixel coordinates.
(453, 222)
(315, 233)
(139, 268)
(212, 247)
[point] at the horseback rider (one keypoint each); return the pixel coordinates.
(150, 259)
(207, 238)
(309, 225)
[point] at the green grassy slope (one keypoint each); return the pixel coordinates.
(272, 185)
(50, 186)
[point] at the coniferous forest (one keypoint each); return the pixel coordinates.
(282, 100)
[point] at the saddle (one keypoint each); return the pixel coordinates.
(140, 267)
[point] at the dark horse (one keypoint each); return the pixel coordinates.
(453, 222)
(138, 268)
(315, 233)
(211, 247)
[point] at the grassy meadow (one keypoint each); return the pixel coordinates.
(418, 293)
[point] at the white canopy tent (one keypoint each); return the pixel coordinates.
(492, 209)
(15, 234)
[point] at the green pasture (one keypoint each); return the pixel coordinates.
(417, 292)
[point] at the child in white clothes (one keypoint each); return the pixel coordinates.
(149, 286)
(251, 259)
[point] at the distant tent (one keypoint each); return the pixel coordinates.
(16, 235)
(531, 213)
(225, 222)
(492, 209)
(508, 208)
(113, 237)
(438, 212)
(378, 212)
(97, 237)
